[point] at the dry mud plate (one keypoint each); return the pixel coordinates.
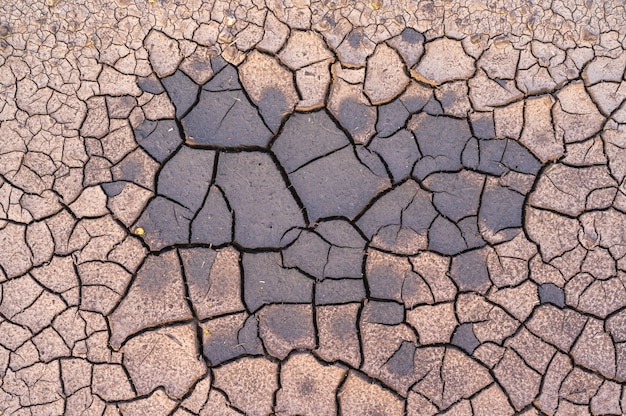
(312, 208)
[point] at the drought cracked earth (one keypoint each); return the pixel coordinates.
(312, 208)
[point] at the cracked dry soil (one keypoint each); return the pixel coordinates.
(307, 207)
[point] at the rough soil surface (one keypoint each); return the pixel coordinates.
(310, 207)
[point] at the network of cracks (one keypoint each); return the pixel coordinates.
(374, 249)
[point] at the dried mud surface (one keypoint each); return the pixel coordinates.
(312, 208)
